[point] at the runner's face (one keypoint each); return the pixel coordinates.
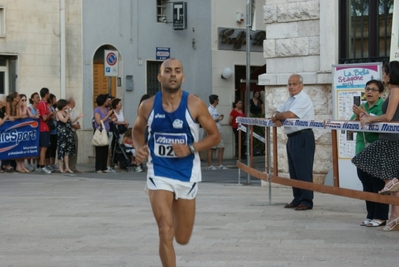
(171, 76)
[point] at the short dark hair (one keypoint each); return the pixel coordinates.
(213, 98)
(115, 102)
(62, 103)
(378, 83)
(392, 69)
(50, 99)
(44, 91)
(100, 100)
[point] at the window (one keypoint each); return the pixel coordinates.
(2, 21)
(364, 30)
(161, 10)
(153, 86)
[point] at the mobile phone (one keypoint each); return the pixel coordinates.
(356, 100)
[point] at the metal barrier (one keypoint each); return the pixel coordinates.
(333, 126)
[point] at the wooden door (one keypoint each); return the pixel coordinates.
(101, 83)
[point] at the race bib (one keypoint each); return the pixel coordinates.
(163, 143)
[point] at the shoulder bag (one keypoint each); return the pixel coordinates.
(100, 138)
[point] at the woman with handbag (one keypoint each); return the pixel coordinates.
(101, 123)
(377, 213)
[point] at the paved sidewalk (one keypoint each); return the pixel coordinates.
(106, 220)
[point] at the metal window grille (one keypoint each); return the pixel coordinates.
(161, 10)
(365, 30)
(153, 86)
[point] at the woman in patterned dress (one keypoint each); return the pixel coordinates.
(65, 141)
(381, 157)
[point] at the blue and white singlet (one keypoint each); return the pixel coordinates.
(165, 128)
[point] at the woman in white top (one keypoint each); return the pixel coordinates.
(120, 122)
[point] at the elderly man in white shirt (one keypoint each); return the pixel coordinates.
(301, 142)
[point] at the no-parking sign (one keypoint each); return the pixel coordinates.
(110, 63)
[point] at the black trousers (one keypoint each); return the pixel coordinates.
(373, 184)
(300, 151)
(235, 131)
(101, 158)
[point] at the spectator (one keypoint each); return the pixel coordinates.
(73, 159)
(236, 112)
(377, 213)
(380, 158)
(102, 113)
(214, 101)
(65, 144)
(3, 118)
(52, 149)
(301, 142)
(45, 116)
(33, 113)
(13, 109)
(256, 105)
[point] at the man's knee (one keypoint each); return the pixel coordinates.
(182, 240)
(166, 232)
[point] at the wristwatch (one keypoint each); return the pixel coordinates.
(192, 148)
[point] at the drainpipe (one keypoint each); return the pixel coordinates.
(62, 49)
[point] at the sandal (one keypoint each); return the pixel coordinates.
(365, 222)
(391, 187)
(376, 223)
(394, 227)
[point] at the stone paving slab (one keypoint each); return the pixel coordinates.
(60, 220)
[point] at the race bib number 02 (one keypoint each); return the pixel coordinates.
(163, 143)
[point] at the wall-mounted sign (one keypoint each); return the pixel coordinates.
(110, 63)
(236, 39)
(162, 53)
(179, 15)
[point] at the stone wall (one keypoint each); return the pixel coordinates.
(293, 45)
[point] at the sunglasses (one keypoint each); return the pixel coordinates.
(368, 89)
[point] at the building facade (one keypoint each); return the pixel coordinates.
(309, 37)
(61, 44)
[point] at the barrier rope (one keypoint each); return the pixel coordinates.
(331, 125)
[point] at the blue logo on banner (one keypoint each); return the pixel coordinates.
(19, 139)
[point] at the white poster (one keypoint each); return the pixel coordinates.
(349, 81)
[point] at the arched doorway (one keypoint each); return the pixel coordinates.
(102, 84)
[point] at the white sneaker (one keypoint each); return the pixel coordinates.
(109, 170)
(30, 167)
(212, 168)
(138, 169)
(50, 168)
(221, 167)
(45, 170)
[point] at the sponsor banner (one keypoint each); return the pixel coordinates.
(19, 139)
(381, 127)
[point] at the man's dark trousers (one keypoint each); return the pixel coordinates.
(300, 151)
